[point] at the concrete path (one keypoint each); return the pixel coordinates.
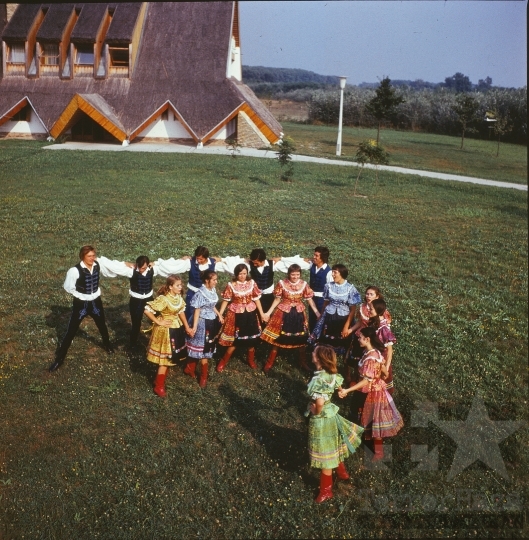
(271, 154)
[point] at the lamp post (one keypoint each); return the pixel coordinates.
(339, 142)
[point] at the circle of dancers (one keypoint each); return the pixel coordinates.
(254, 310)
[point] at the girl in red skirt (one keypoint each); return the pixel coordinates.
(288, 325)
(241, 325)
(379, 322)
(379, 413)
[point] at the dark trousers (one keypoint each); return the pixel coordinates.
(318, 300)
(136, 309)
(190, 310)
(80, 310)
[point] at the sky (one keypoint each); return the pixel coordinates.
(370, 39)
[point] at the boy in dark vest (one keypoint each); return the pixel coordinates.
(194, 265)
(262, 272)
(141, 284)
(320, 274)
(82, 282)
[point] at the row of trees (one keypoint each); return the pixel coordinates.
(431, 110)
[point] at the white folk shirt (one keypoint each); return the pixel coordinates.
(119, 268)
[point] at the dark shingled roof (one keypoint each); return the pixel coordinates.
(123, 22)
(52, 28)
(18, 27)
(90, 19)
(182, 59)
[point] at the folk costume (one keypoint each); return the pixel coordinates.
(178, 266)
(203, 343)
(379, 414)
(241, 324)
(264, 278)
(83, 284)
(287, 327)
(328, 329)
(140, 291)
(387, 337)
(319, 277)
(363, 315)
(332, 438)
(167, 344)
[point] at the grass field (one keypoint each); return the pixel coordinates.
(414, 150)
(91, 452)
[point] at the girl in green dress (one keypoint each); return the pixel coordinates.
(331, 437)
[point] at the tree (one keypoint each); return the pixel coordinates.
(501, 126)
(484, 85)
(459, 83)
(369, 151)
(233, 146)
(284, 156)
(384, 103)
(466, 109)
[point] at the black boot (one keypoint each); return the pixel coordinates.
(57, 363)
(108, 347)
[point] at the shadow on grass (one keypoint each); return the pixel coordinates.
(258, 180)
(286, 446)
(334, 183)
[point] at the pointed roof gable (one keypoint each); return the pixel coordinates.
(18, 27)
(182, 59)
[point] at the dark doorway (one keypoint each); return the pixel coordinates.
(87, 130)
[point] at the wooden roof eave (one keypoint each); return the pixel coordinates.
(156, 114)
(270, 135)
(17, 108)
(14, 110)
(77, 103)
(222, 124)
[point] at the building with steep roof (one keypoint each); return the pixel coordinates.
(127, 72)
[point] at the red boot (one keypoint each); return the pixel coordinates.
(159, 384)
(203, 376)
(270, 362)
(379, 450)
(251, 358)
(190, 369)
(341, 472)
(325, 488)
(224, 360)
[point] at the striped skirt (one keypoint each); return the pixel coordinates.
(240, 329)
(331, 440)
(286, 330)
(203, 343)
(381, 415)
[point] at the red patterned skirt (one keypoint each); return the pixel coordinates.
(381, 415)
(240, 329)
(286, 330)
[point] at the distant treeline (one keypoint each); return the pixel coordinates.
(260, 74)
(429, 110)
(427, 107)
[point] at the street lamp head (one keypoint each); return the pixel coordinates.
(342, 82)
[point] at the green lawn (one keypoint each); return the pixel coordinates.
(91, 452)
(423, 151)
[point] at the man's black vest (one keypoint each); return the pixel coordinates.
(266, 279)
(87, 283)
(141, 284)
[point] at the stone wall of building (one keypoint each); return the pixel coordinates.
(246, 135)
